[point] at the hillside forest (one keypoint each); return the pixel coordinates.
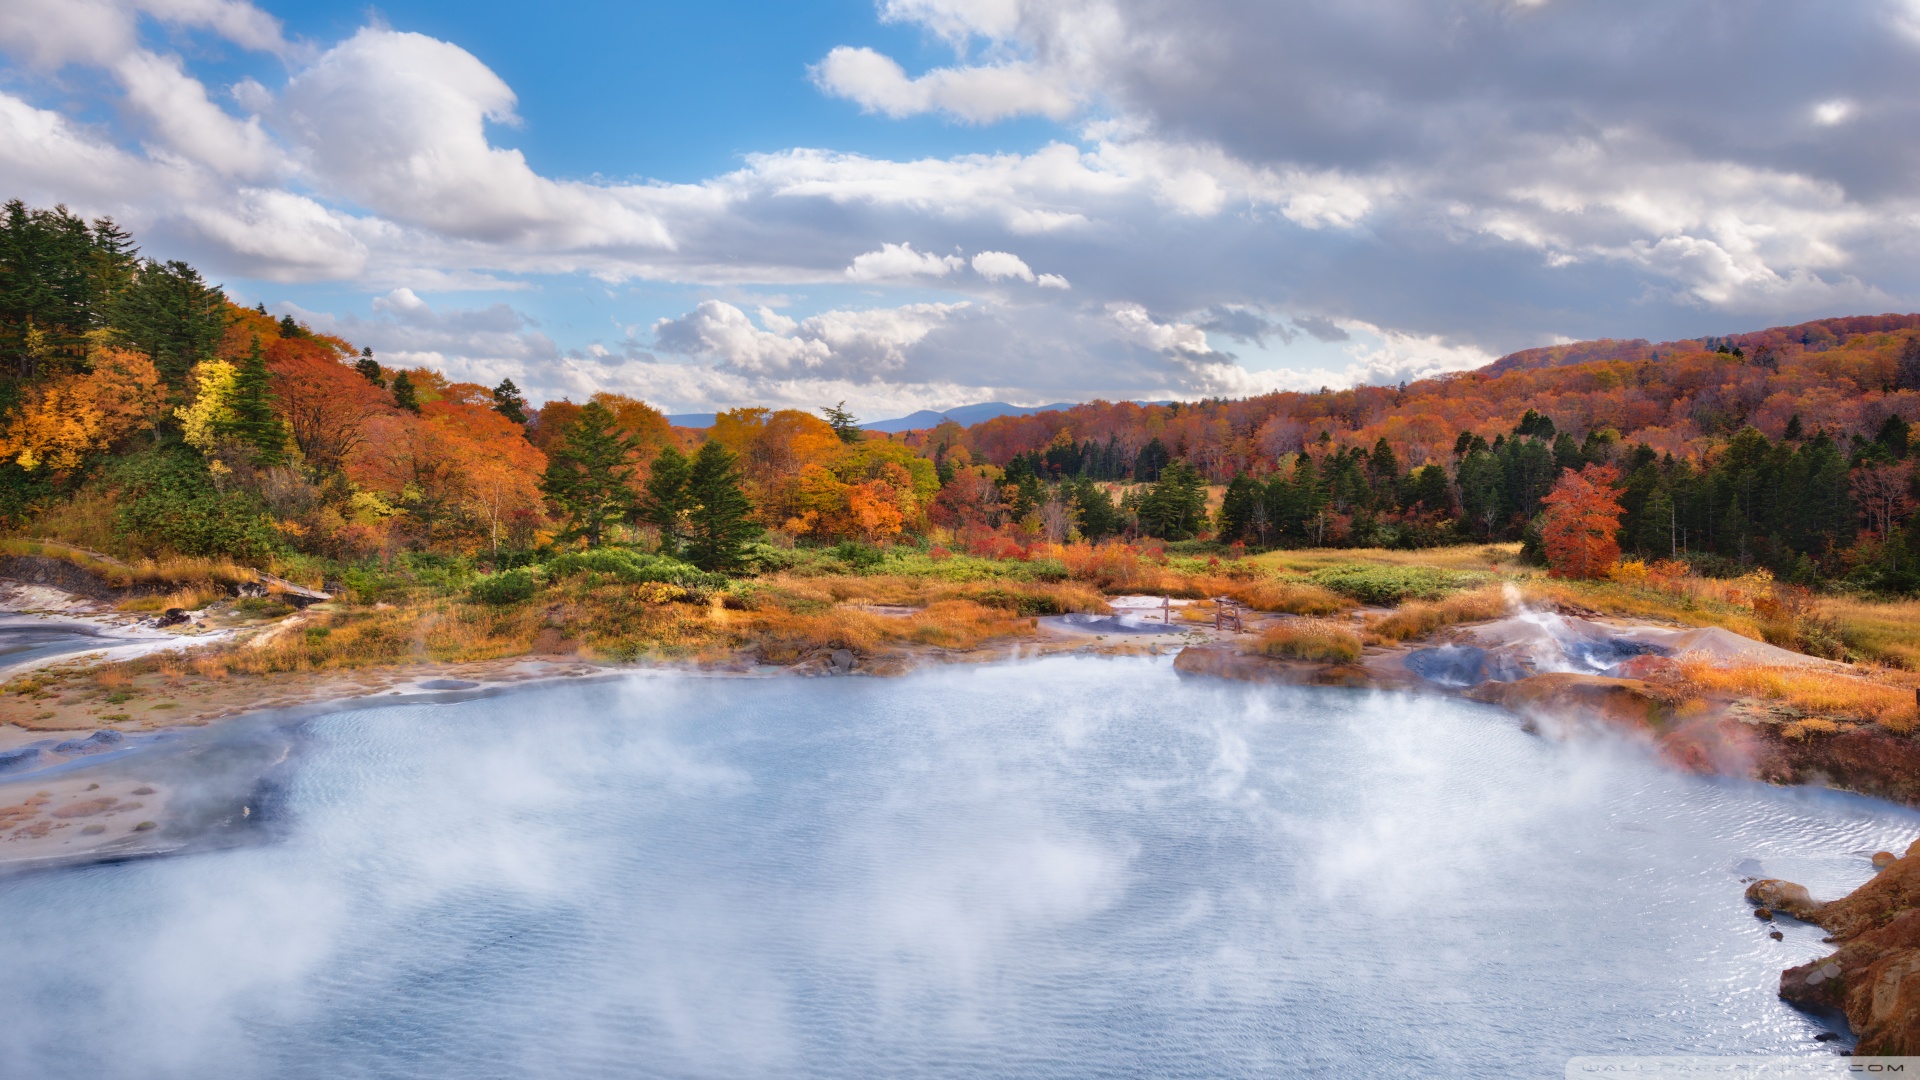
(148, 417)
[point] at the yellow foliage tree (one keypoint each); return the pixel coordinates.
(57, 427)
(212, 406)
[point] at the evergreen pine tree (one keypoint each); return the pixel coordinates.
(588, 474)
(508, 402)
(1240, 507)
(170, 313)
(843, 423)
(1175, 508)
(404, 394)
(664, 502)
(254, 422)
(1094, 509)
(369, 369)
(719, 521)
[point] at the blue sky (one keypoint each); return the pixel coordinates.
(925, 203)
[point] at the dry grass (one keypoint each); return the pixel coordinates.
(1471, 557)
(190, 598)
(171, 570)
(1418, 618)
(1311, 639)
(1823, 693)
(1886, 632)
(804, 594)
(784, 636)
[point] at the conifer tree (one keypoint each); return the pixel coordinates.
(1239, 508)
(1175, 508)
(508, 402)
(843, 423)
(588, 474)
(1097, 516)
(664, 502)
(719, 518)
(170, 313)
(404, 394)
(253, 420)
(369, 369)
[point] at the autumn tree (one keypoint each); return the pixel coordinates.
(589, 474)
(1581, 522)
(719, 517)
(327, 405)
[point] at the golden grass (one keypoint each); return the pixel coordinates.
(190, 598)
(1311, 639)
(1418, 618)
(1026, 598)
(115, 572)
(784, 636)
(1886, 632)
(1819, 691)
(1480, 557)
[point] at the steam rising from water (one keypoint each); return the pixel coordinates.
(1064, 868)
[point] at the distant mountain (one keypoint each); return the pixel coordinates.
(965, 415)
(1818, 334)
(692, 419)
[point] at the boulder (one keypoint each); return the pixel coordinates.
(1874, 976)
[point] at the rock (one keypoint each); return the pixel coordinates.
(173, 616)
(1763, 914)
(1772, 894)
(1777, 936)
(1874, 975)
(1882, 859)
(842, 661)
(1559, 696)
(146, 826)
(1825, 1036)
(97, 743)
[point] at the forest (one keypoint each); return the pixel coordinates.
(150, 419)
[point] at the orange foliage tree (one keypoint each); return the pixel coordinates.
(327, 404)
(462, 473)
(1581, 521)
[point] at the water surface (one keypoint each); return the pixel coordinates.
(1070, 868)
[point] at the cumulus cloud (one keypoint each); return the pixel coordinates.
(995, 265)
(1430, 181)
(979, 94)
(894, 262)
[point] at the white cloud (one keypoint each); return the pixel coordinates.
(1053, 281)
(996, 265)
(839, 343)
(978, 95)
(397, 123)
(895, 262)
(1838, 111)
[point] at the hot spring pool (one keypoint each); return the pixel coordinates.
(1057, 869)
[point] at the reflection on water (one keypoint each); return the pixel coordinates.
(1059, 869)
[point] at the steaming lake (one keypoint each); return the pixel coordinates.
(1064, 868)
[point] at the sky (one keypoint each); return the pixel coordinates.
(927, 203)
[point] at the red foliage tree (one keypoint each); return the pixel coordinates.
(1582, 518)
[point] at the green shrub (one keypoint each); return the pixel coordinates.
(859, 558)
(1392, 584)
(631, 567)
(506, 587)
(168, 503)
